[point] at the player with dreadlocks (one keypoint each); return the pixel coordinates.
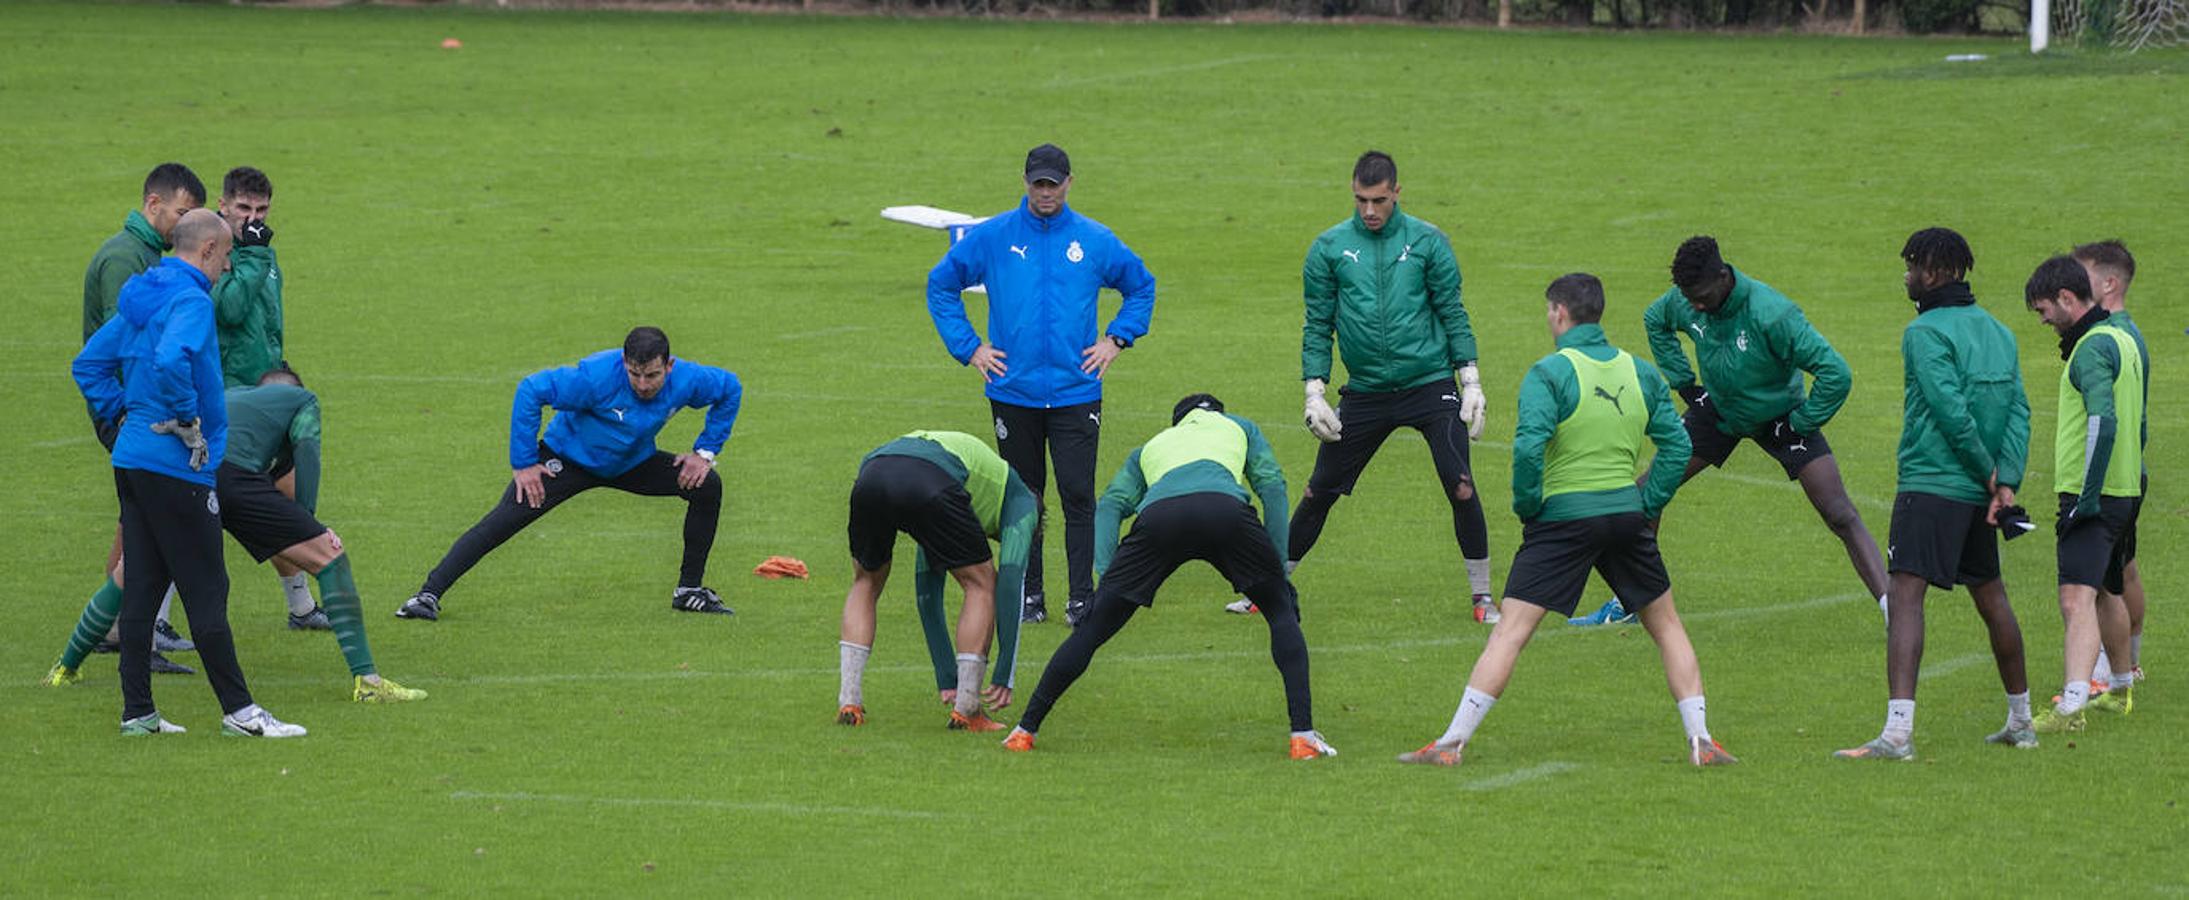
(1964, 438)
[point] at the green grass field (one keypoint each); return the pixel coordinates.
(450, 221)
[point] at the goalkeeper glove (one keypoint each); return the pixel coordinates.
(1322, 421)
(188, 434)
(1470, 401)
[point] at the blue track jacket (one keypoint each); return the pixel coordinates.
(1042, 276)
(156, 360)
(604, 427)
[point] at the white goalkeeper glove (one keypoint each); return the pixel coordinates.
(1470, 401)
(1322, 421)
(188, 434)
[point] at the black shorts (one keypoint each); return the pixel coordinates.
(2090, 549)
(912, 495)
(1794, 452)
(1219, 528)
(1942, 541)
(1366, 419)
(1551, 569)
(260, 517)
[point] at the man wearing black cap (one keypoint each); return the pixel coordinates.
(1044, 359)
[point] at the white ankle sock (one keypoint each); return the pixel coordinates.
(850, 672)
(2018, 708)
(2103, 668)
(1899, 721)
(297, 588)
(1478, 576)
(1472, 708)
(2072, 697)
(166, 602)
(970, 668)
(1691, 718)
(2124, 680)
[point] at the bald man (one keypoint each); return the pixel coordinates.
(155, 369)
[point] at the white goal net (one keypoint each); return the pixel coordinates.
(2124, 25)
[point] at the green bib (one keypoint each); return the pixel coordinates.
(985, 473)
(2071, 444)
(1201, 435)
(1599, 446)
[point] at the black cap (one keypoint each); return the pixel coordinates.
(1193, 402)
(1048, 163)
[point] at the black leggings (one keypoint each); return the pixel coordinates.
(1108, 615)
(1071, 434)
(171, 533)
(656, 477)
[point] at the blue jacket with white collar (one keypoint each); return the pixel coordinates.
(1042, 276)
(605, 428)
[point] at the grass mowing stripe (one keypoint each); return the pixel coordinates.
(797, 809)
(1522, 776)
(1956, 664)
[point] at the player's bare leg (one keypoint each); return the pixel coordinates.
(1684, 676)
(855, 641)
(1820, 480)
(976, 621)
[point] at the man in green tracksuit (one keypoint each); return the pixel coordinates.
(1186, 491)
(2097, 469)
(271, 427)
(2112, 269)
(1386, 286)
(170, 190)
(1752, 346)
(1585, 412)
(1964, 437)
(247, 303)
(952, 495)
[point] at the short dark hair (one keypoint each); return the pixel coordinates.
(1580, 294)
(281, 374)
(2060, 273)
(645, 344)
(1696, 261)
(2111, 255)
(1193, 402)
(1375, 167)
(169, 177)
(246, 181)
(1941, 251)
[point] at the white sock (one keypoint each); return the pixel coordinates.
(1467, 718)
(166, 602)
(1881, 605)
(1899, 721)
(1691, 718)
(2103, 667)
(850, 672)
(2123, 680)
(970, 668)
(1478, 576)
(2072, 697)
(298, 589)
(2018, 708)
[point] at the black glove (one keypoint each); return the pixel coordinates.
(2014, 522)
(1782, 428)
(1695, 395)
(255, 233)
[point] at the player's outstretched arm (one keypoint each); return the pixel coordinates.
(560, 388)
(1021, 512)
(1670, 438)
(1831, 380)
(927, 601)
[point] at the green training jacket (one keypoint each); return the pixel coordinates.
(247, 315)
(1206, 452)
(135, 248)
(1965, 417)
(1752, 352)
(1571, 462)
(1391, 298)
(275, 423)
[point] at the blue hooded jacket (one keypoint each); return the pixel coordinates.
(1042, 276)
(604, 427)
(156, 360)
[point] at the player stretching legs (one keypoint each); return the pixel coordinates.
(1576, 447)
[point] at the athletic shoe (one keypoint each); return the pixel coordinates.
(978, 721)
(2138, 673)
(2052, 721)
(1311, 746)
(1877, 748)
(698, 600)
(1075, 609)
(2020, 736)
(1020, 741)
(386, 691)
(316, 620)
(255, 721)
(61, 676)
(1034, 611)
(1486, 610)
(150, 724)
(166, 640)
(1242, 606)
(851, 714)
(1434, 754)
(106, 646)
(161, 665)
(422, 605)
(2122, 701)
(1703, 751)
(1613, 612)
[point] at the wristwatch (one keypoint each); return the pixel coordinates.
(707, 455)
(1120, 342)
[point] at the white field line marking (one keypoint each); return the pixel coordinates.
(1523, 776)
(1864, 500)
(729, 805)
(1154, 71)
(59, 442)
(1953, 665)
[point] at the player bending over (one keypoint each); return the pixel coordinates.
(952, 495)
(1186, 489)
(1584, 413)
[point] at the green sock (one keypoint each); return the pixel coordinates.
(99, 615)
(338, 593)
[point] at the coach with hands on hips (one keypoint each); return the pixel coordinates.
(1043, 360)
